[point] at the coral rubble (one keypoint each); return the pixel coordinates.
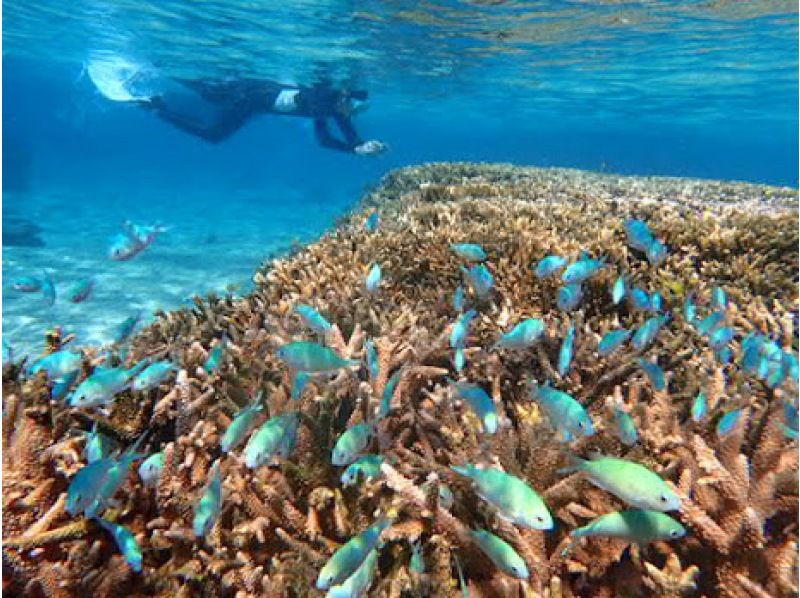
(281, 522)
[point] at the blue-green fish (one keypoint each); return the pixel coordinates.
(150, 469)
(417, 562)
(124, 329)
(352, 443)
(460, 332)
(612, 341)
(299, 382)
(312, 357)
(126, 542)
(584, 268)
(647, 332)
(86, 484)
(373, 280)
(689, 309)
(312, 318)
(388, 393)
(656, 302)
(480, 402)
(721, 337)
(724, 355)
(501, 553)
(626, 427)
(514, 499)
(719, 298)
(215, 356)
(359, 582)
(372, 359)
(634, 525)
(711, 322)
(153, 375)
(549, 265)
(729, 422)
(628, 481)
(460, 360)
(102, 385)
(522, 336)
(81, 290)
(469, 251)
(458, 299)
(566, 352)
(63, 385)
(567, 416)
(207, 510)
(58, 365)
(27, 284)
(114, 477)
(98, 446)
(366, 466)
(657, 253)
(269, 440)
(351, 556)
(654, 373)
(240, 426)
(640, 299)
(48, 289)
(569, 297)
(372, 222)
(639, 235)
(480, 279)
(699, 407)
(618, 290)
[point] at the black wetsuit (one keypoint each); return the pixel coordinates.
(215, 111)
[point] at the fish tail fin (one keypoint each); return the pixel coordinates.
(465, 470)
(574, 464)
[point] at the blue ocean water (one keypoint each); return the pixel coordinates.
(696, 89)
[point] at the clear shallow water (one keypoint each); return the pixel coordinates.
(703, 89)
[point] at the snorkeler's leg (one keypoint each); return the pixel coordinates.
(197, 116)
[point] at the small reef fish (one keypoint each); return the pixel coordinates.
(480, 402)
(584, 268)
(215, 356)
(654, 373)
(480, 279)
(639, 235)
(469, 251)
(311, 357)
(124, 329)
(640, 299)
(460, 360)
(458, 299)
(134, 240)
(549, 265)
(699, 407)
(656, 302)
(372, 222)
(634, 525)
(114, 477)
(62, 386)
(312, 318)
(625, 426)
(98, 446)
(349, 557)
(721, 337)
(299, 382)
(48, 289)
(618, 290)
(566, 351)
(647, 332)
(102, 385)
(460, 332)
(657, 253)
(81, 290)
(516, 502)
(352, 443)
(612, 341)
(569, 297)
(240, 426)
(359, 582)
(153, 375)
(417, 562)
(150, 469)
(373, 281)
(126, 542)
(719, 298)
(729, 422)
(58, 365)
(501, 553)
(27, 284)
(372, 359)
(388, 393)
(207, 511)
(567, 416)
(710, 323)
(367, 467)
(86, 484)
(522, 336)
(689, 309)
(272, 439)
(631, 482)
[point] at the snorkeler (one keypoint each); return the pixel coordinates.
(214, 111)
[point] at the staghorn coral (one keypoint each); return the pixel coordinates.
(279, 524)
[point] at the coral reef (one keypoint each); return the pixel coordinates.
(280, 523)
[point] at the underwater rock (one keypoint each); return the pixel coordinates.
(280, 523)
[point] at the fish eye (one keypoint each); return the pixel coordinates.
(674, 533)
(664, 498)
(539, 518)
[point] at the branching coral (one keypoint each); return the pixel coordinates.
(280, 523)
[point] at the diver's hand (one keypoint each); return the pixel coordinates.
(373, 147)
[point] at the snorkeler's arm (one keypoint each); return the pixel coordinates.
(327, 140)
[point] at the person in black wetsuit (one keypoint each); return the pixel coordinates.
(216, 110)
